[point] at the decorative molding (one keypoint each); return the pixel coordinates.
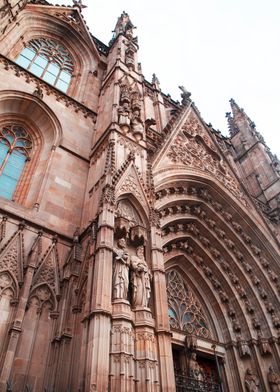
(185, 312)
(43, 86)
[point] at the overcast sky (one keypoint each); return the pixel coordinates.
(217, 49)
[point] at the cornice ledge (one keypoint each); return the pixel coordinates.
(47, 88)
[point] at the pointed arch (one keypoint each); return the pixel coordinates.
(47, 25)
(185, 311)
(45, 131)
(43, 295)
(8, 282)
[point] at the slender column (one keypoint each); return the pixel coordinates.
(161, 314)
(98, 344)
(16, 327)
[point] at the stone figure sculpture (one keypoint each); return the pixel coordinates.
(252, 382)
(137, 124)
(121, 270)
(195, 370)
(140, 279)
(273, 379)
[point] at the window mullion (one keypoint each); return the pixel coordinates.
(32, 61)
(2, 167)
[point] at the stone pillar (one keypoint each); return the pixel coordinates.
(99, 324)
(166, 368)
(146, 353)
(122, 349)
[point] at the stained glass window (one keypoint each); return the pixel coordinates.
(15, 148)
(48, 60)
(184, 311)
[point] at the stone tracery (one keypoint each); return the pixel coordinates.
(185, 312)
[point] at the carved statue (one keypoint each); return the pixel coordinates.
(137, 124)
(243, 348)
(124, 112)
(121, 270)
(195, 370)
(252, 382)
(191, 342)
(185, 94)
(263, 344)
(273, 379)
(140, 279)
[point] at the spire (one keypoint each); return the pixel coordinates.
(239, 121)
(79, 4)
(124, 26)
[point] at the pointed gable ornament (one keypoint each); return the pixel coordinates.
(185, 95)
(79, 4)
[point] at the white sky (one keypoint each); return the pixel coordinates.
(217, 49)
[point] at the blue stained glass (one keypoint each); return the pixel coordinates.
(48, 77)
(62, 85)
(23, 61)
(28, 53)
(54, 69)
(65, 76)
(41, 61)
(3, 152)
(36, 70)
(11, 174)
(54, 66)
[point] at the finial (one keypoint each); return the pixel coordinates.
(155, 81)
(79, 4)
(233, 129)
(185, 95)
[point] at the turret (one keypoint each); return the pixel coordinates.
(258, 167)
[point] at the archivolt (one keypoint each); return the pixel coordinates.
(225, 250)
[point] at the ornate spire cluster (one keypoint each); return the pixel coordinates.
(79, 4)
(238, 120)
(124, 26)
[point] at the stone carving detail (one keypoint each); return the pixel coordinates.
(12, 254)
(243, 348)
(48, 271)
(185, 312)
(273, 379)
(251, 381)
(127, 211)
(130, 56)
(48, 89)
(195, 150)
(214, 225)
(263, 344)
(44, 296)
(132, 146)
(7, 284)
(3, 228)
(129, 111)
(194, 370)
(130, 185)
(121, 270)
(140, 279)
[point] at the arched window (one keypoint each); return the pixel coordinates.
(48, 60)
(15, 149)
(184, 310)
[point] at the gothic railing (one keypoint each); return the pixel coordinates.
(202, 382)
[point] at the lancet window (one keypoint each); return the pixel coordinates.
(48, 60)
(184, 310)
(15, 149)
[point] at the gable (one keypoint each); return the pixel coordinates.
(190, 146)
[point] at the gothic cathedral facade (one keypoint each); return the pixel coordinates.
(139, 247)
